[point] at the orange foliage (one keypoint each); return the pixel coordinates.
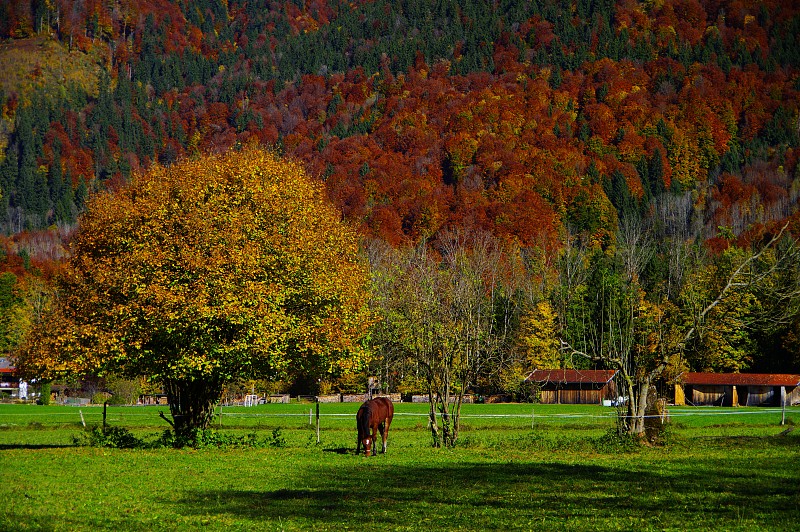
(404, 154)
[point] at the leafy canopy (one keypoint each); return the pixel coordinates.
(223, 267)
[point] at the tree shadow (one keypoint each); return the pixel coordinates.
(480, 495)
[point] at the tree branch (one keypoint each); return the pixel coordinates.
(168, 420)
(734, 282)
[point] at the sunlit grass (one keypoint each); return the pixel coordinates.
(736, 474)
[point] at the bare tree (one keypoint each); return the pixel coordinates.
(482, 311)
(447, 312)
(636, 248)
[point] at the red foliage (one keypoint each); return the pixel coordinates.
(686, 17)
(730, 189)
(500, 151)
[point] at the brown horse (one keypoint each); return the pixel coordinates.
(374, 415)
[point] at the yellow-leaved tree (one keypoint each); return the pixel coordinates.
(537, 337)
(225, 267)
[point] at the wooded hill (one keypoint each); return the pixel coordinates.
(529, 120)
(517, 117)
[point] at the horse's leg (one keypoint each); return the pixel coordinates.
(380, 429)
(375, 429)
(358, 438)
(385, 432)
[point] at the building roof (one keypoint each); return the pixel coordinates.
(741, 379)
(6, 366)
(571, 376)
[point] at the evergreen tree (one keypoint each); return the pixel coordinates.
(55, 179)
(655, 173)
(617, 190)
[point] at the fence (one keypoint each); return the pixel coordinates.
(342, 416)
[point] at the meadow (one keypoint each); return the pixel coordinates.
(517, 467)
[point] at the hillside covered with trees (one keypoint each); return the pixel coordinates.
(634, 149)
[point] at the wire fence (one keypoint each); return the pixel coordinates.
(139, 415)
(300, 425)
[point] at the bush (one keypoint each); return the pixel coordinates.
(111, 437)
(209, 438)
(123, 391)
(277, 439)
(117, 400)
(122, 438)
(44, 394)
(100, 397)
(615, 441)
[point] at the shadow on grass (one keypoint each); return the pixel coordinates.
(340, 450)
(479, 495)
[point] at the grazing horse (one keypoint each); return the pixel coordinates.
(375, 414)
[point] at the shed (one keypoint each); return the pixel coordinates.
(737, 389)
(7, 370)
(9, 384)
(574, 386)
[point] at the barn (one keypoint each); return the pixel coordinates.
(574, 386)
(7, 371)
(737, 389)
(8, 382)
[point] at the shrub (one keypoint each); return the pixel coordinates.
(615, 441)
(112, 437)
(118, 400)
(277, 439)
(124, 391)
(209, 438)
(100, 397)
(44, 395)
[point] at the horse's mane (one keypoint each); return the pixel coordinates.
(363, 419)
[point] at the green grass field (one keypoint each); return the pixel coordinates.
(519, 467)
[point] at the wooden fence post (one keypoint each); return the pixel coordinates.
(317, 422)
(783, 405)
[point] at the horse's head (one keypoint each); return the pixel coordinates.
(367, 446)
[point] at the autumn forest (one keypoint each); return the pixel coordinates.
(586, 183)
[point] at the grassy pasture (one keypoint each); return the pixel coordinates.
(520, 467)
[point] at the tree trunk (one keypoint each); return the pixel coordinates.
(434, 426)
(638, 408)
(447, 427)
(450, 414)
(446, 434)
(632, 415)
(191, 403)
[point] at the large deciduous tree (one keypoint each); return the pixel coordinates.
(214, 269)
(709, 321)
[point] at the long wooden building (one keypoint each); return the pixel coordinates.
(574, 386)
(737, 389)
(9, 384)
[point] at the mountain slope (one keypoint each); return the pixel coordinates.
(522, 118)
